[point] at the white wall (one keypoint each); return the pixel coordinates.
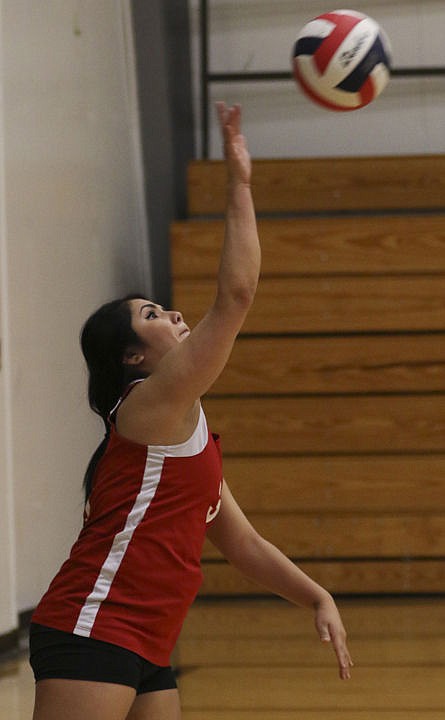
(8, 605)
(75, 237)
(258, 35)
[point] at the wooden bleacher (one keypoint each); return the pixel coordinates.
(259, 659)
(332, 407)
(327, 184)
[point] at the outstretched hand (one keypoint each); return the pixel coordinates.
(235, 147)
(330, 629)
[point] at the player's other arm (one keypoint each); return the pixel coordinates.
(260, 561)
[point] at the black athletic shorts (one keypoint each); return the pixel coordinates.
(56, 654)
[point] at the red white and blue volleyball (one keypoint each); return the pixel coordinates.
(342, 60)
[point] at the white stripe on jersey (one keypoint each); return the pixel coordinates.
(151, 479)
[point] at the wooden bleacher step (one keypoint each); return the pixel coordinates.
(325, 184)
(320, 245)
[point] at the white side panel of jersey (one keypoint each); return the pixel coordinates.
(150, 482)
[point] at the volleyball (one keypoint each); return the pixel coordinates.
(341, 60)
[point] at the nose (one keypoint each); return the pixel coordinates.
(176, 316)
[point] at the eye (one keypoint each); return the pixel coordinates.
(150, 315)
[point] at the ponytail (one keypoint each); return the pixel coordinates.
(105, 337)
(93, 463)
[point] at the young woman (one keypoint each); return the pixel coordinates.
(103, 633)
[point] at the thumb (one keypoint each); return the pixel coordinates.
(325, 635)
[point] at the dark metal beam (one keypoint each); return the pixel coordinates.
(287, 75)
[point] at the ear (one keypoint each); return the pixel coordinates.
(133, 357)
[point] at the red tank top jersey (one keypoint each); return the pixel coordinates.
(136, 566)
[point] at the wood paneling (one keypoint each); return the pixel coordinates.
(310, 714)
(330, 304)
(275, 619)
(321, 184)
(280, 688)
(273, 633)
(320, 245)
(401, 638)
(369, 483)
(323, 365)
(409, 575)
(291, 650)
(332, 405)
(327, 535)
(308, 425)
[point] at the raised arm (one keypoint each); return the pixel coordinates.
(240, 257)
(259, 560)
(184, 373)
(196, 364)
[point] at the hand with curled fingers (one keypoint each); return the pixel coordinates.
(235, 147)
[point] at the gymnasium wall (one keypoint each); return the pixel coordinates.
(257, 35)
(73, 235)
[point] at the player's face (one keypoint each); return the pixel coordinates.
(158, 329)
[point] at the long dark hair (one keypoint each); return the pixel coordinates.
(104, 339)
